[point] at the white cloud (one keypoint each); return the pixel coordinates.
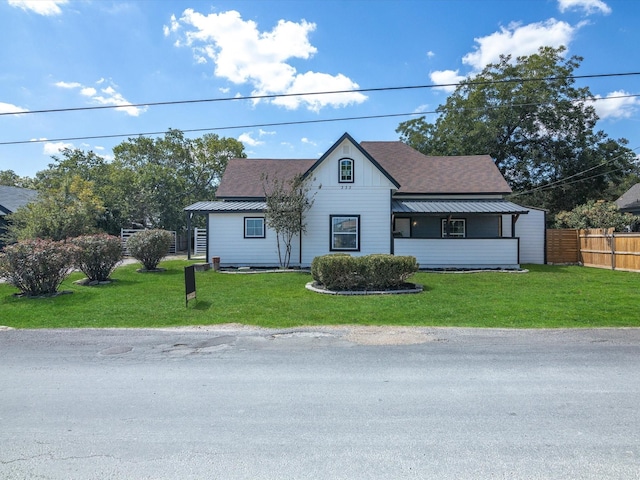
(306, 141)
(243, 54)
(320, 82)
(41, 7)
(430, 54)
(262, 133)
(247, 139)
(615, 105)
(9, 108)
(54, 148)
(69, 85)
(88, 91)
(588, 6)
(108, 95)
(518, 40)
(448, 78)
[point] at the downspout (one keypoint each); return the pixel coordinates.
(189, 215)
(208, 237)
(392, 241)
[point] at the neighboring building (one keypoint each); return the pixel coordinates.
(630, 200)
(12, 198)
(376, 197)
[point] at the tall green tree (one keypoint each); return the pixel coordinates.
(173, 171)
(540, 128)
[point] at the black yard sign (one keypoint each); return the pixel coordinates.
(190, 283)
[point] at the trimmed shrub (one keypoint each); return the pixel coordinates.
(149, 247)
(37, 267)
(369, 272)
(98, 255)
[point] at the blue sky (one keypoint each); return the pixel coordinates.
(64, 54)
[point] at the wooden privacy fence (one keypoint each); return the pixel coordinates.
(596, 247)
(604, 248)
(563, 246)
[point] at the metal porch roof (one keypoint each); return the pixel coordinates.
(225, 207)
(457, 206)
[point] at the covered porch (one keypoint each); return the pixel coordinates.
(458, 233)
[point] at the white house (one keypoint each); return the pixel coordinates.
(376, 197)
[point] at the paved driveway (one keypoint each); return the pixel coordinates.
(345, 403)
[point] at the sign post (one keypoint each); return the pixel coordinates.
(190, 283)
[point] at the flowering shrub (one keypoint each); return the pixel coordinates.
(149, 247)
(594, 214)
(37, 267)
(98, 255)
(369, 272)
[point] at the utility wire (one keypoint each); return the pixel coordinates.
(305, 94)
(279, 124)
(563, 182)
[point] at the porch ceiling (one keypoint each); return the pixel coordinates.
(497, 207)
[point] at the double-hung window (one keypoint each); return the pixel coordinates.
(254, 227)
(345, 232)
(346, 170)
(454, 228)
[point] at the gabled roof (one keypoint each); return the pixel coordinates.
(630, 200)
(244, 177)
(367, 155)
(12, 198)
(409, 170)
(420, 174)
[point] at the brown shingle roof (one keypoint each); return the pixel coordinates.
(413, 171)
(418, 173)
(243, 177)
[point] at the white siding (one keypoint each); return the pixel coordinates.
(460, 253)
(531, 229)
(226, 240)
(369, 196)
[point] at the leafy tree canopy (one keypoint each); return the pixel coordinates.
(528, 114)
(596, 214)
(149, 181)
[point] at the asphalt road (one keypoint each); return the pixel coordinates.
(239, 403)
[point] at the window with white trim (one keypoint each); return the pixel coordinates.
(456, 228)
(345, 232)
(254, 227)
(346, 170)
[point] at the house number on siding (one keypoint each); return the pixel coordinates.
(346, 187)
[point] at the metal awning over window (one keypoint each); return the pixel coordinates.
(226, 207)
(455, 207)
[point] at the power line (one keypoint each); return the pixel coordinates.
(279, 124)
(305, 94)
(563, 182)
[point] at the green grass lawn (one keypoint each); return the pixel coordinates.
(546, 297)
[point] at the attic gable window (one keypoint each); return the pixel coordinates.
(346, 170)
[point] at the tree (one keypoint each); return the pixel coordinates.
(538, 126)
(172, 172)
(58, 213)
(10, 178)
(287, 202)
(596, 214)
(149, 181)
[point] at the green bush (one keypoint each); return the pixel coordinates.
(369, 272)
(37, 267)
(98, 255)
(149, 247)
